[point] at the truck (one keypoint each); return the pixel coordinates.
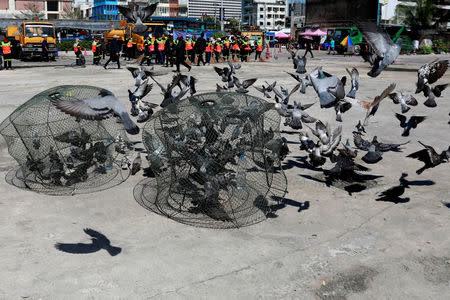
(124, 32)
(27, 38)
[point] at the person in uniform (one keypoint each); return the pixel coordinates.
(114, 51)
(199, 48)
(77, 51)
(259, 48)
(180, 50)
(6, 53)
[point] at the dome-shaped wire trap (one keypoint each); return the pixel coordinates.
(216, 158)
(59, 154)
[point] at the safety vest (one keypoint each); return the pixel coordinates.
(259, 45)
(151, 46)
(94, 46)
(226, 44)
(130, 43)
(6, 48)
(209, 47)
(246, 46)
(235, 46)
(161, 45)
(188, 45)
(218, 47)
(76, 47)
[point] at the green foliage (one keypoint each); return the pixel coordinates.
(427, 50)
(210, 19)
(31, 12)
(440, 46)
(68, 45)
(72, 15)
(419, 16)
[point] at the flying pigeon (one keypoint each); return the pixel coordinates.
(386, 51)
(430, 73)
(354, 76)
(305, 82)
(430, 157)
(242, 87)
(364, 145)
(138, 17)
(404, 100)
(432, 93)
(409, 124)
(97, 109)
(329, 88)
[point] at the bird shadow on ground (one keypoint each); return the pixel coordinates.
(98, 242)
(421, 182)
(446, 204)
(299, 162)
(282, 202)
(395, 200)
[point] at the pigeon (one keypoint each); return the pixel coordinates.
(329, 88)
(142, 74)
(430, 157)
(411, 123)
(138, 17)
(300, 64)
(345, 162)
(295, 116)
(360, 127)
(393, 194)
(381, 43)
(36, 141)
(432, 93)
(304, 82)
(97, 109)
(170, 96)
(140, 92)
(242, 87)
(341, 107)
(226, 75)
(354, 75)
(284, 94)
(136, 166)
(233, 67)
(364, 145)
(99, 241)
(306, 143)
(327, 144)
(404, 100)
(430, 73)
(266, 90)
(186, 80)
(371, 107)
(372, 156)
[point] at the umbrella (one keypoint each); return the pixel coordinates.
(347, 41)
(318, 32)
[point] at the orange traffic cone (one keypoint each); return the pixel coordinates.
(84, 52)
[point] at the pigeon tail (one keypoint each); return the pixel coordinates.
(129, 125)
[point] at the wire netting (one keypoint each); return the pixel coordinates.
(59, 154)
(216, 160)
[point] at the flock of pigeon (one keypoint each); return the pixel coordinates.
(330, 90)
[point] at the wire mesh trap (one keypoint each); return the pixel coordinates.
(59, 154)
(216, 159)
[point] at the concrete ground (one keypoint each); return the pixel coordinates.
(340, 247)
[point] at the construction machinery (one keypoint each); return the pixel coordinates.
(27, 39)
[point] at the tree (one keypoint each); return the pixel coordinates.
(210, 19)
(72, 14)
(32, 11)
(419, 16)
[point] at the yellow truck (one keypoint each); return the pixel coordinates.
(27, 39)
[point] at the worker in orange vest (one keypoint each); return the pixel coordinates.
(129, 46)
(6, 53)
(234, 48)
(77, 51)
(259, 48)
(161, 42)
(190, 48)
(209, 50)
(96, 51)
(218, 49)
(147, 54)
(226, 48)
(246, 48)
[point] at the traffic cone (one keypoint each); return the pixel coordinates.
(84, 52)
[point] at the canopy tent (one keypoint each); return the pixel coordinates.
(282, 35)
(307, 32)
(318, 32)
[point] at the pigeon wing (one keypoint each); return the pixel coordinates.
(127, 13)
(402, 119)
(377, 39)
(148, 11)
(248, 82)
(421, 155)
(437, 71)
(88, 109)
(134, 71)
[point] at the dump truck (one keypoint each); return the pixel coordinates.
(124, 32)
(27, 39)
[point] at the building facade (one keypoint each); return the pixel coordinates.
(49, 9)
(169, 8)
(266, 14)
(199, 8)
(296, 13)
(107, 10)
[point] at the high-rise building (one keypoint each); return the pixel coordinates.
(296, 13)
(266, 14)
(50, 9)
(107, 9)
(168, 8)
(232, 9)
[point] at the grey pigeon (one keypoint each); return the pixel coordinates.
(295, 116)
(138, 17)
(432, 93)
(187, 80)
(430, 157)
(363, 144)
(300, 64)
(430, 73)
(242, 87)
(360, 127)
(170, 95)
(265, 90)
(136, 165)
(407, 125)
(140, 92)
(284, 95)
(372, 156)
(97, 109)
(304, 82)
(329, 88)
(404, 100)
(354, 76)
(382, 45)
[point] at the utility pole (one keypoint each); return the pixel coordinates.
(222, 12)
